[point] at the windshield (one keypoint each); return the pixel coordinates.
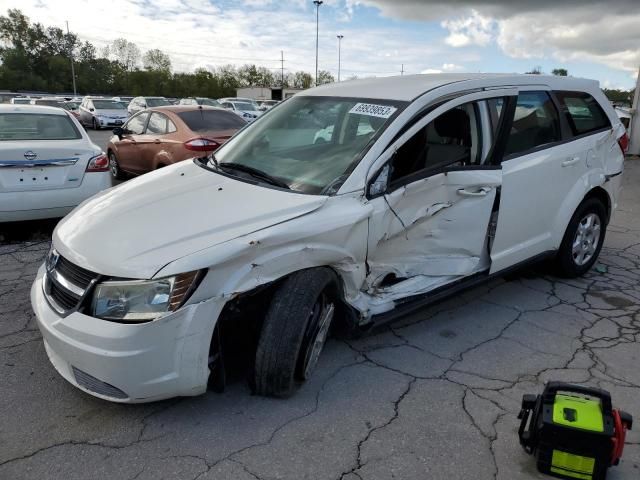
(72, 105)
(157, 102)
(244, 106)
(31, 126)
(50, 103)
(208, 101)
(107, 105)
(311, 143)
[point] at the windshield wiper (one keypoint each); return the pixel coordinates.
(254, 172)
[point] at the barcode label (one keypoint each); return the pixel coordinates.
(381, 111)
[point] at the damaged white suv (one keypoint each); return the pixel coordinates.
(354, 201)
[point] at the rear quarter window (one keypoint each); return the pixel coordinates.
(31, 126)
(207, 120)
(583, 112)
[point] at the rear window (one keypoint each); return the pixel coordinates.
(157, 102)
(107, 105)
(49, 103)
(31, 126)
(245, 106)
(583, 112)
(206, 120)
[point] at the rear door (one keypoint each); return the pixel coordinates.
(539, 169)
(433, 200)
(41, 152)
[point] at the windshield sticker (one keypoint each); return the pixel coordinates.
(380, 111)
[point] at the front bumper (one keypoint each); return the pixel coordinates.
(130, 363)
(111, 122)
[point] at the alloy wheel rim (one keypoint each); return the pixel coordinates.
(113, 164)
(586, 239)
(322, 311)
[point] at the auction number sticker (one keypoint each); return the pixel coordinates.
(381, 111)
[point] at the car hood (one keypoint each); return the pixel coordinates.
(116, 112)
(136, 228)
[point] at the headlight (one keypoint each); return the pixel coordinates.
(142, 300)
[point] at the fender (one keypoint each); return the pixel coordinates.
(573, 199)
(334, 236)
(162, 158)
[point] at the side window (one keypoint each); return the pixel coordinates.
(157, 124)
(171, 126)
(535, 123)
(135, 125)
(453, 138)
(583, 112)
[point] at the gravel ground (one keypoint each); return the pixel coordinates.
(435, 395)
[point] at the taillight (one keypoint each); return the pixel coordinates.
(99, 163)
(623, 141)
(201, 145)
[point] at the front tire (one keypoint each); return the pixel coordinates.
(95, 124)
(294, 331)
(114, 167)
(583, 239)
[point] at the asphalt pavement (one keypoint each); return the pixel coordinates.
(433, 396)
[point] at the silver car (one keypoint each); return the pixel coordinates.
(102, 113)
(142, 103)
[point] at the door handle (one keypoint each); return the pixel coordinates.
(481, 192)
(571, 161)
(156, 140)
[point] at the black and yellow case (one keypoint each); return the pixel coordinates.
(574, 432)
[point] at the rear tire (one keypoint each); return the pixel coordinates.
(95, 124)
(114, 167)
(294, 331)
(583, 239)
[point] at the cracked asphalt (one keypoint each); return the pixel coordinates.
(435, 395)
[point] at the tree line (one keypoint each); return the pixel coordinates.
(37, 58)
(34, 57)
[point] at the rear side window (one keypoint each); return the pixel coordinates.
(535, 123)
(31, 126)
(206, 120)
(157, 124)
(583, 112)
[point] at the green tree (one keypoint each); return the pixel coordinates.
(157, 60)
(325, 77)
(560, 72)
(302, 80)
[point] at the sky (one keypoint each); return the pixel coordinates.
(599, 40)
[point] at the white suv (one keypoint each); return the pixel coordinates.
(425, 185)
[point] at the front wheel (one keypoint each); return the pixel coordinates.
(583, 239)
(114, 166)
(95, 124)
(294, 331)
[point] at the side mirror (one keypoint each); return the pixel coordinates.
(92, 109)
(119, 131)
(380, 184)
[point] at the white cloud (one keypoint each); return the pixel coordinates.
(475, 29)
(452, 67)
(431, 70)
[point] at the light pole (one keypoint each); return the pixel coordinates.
(73, 73)
(317, 3)
(340, 37)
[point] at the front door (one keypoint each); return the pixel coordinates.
(128, 148)
(433, 199)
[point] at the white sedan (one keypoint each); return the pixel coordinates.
(48, 164)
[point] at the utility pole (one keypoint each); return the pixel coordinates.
(317, 3)
(402, 70)
(73, 73)
(634, 128)
(282, 68)
(340, 37)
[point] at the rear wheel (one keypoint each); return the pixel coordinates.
(117, 173)
(294, 331)
(583, 239)
(95, 124)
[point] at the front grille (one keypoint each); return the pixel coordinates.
(78, 275)
(62, 297)
(65, 283)
(98, 386)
